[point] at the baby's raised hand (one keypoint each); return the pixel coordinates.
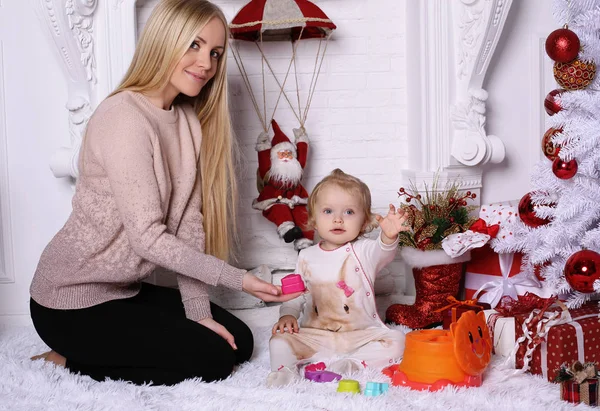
(394, 222)
(288, 322)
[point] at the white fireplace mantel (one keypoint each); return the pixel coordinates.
(452, 43)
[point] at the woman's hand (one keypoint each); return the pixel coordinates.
(393, 223)
(264, 290)
(287, 321)
(219, 329)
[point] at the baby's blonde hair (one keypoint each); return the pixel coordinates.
(350, 184)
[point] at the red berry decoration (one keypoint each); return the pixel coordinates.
(575, 75)
(550, 150)
(527, 213)
(551, 104)
(562, 45)
(424, 243)
(582, 269)
(564, 169)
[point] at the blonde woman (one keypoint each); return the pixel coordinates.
(156, 188)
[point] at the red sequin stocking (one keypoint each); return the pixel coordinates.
(433, 285)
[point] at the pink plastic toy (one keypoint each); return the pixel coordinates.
(317, 366)
(292, 283)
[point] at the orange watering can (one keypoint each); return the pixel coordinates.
(434, 359)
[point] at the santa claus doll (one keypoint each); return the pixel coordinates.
(282, 197)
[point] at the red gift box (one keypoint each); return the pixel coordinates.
(575, 338)
(586, 392)
(489, 276)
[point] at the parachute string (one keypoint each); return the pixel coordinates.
(316, 77)
(242, 68)
(312, 80)
(297, 85)
(262, 63)
(281, 87)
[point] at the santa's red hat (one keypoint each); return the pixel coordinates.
(280, 141)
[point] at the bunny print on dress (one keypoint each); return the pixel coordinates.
(332, 304)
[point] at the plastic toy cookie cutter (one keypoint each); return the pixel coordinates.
(292, 283)
(350, 386)
(434, 359)
(321, 376)
(374, 389)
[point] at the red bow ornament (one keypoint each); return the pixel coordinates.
(480, 226)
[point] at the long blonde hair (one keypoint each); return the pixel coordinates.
(166, 37)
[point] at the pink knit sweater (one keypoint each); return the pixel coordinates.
(136, 205)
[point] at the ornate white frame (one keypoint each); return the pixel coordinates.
(94, 43)
(471, 145)
(446, 124)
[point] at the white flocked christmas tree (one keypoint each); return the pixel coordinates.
(559, 226)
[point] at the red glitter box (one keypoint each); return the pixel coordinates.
(578, 339)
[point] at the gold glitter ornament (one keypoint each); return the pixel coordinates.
(575, 75)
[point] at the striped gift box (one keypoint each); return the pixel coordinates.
(586, 392)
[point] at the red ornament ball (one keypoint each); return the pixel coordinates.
(527, 213)
(551, 104)
(564, 169)
(562, 45)
(575, 75)
(582, 269)
(550, 150)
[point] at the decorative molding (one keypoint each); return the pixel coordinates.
(80, 15)
(116, 28)
(455, 41)
(7, 274)
(94, 58)
(481, 25)
(471, 27)
(70, 25)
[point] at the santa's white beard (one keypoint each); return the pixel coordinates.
(285, 173)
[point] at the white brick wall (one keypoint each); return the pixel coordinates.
(357, 119)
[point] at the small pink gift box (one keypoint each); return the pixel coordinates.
(292, 283)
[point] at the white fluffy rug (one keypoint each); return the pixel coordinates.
(28, 385)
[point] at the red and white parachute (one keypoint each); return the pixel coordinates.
(262, 21)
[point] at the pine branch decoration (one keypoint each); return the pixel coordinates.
(434, 215)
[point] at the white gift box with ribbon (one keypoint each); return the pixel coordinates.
(490, 275)
(491, 288)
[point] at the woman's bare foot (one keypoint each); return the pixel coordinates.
(51, 356)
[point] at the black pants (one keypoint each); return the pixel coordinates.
(143, 339)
